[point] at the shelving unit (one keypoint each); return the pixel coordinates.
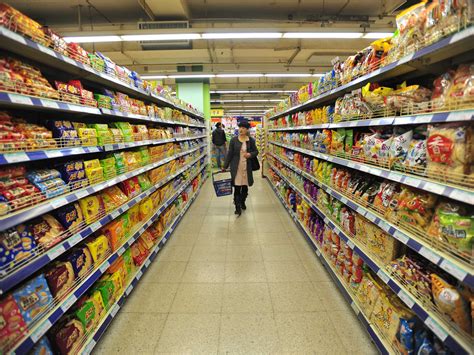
(186, 163)
(287, 139)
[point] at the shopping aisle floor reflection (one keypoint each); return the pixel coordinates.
(248, 285)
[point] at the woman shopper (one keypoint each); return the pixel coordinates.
(241, 149)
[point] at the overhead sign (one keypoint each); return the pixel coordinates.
(217, 112)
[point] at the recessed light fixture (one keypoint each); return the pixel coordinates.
(242, 35)
(93, 39)
(332, 35)
(239, 75)
(151, 77)
(191, 76)
(162, 37)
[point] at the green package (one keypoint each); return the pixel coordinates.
(145, 155)
(349, 141)
(126, 129)
(107, 291)
(119, 162)
(103, 101)
(109, 167)
(144, 182)
(87, 314)
(104, 136)
(125, 218)
(128, 261)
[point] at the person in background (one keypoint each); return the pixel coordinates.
(241, 149)
(219, 141)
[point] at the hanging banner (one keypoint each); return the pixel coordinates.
(217, 112)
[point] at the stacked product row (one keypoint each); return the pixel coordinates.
(382, 153)
(87, 199)
(394, 322)
(419, 26)
(17, 76)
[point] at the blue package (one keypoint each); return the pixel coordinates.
(426, 348)
(406, 336)
(42, 347)
(42, 175)
(51, 184)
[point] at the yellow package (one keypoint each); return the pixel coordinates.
(92, 164)
(118, 281)
(134, 214)
(88, 136)
(95, 175)
(387, 313)
(381, 244)
(146, 208)
(96, 297)
(99, 248)
(92, 208)
(368, 294)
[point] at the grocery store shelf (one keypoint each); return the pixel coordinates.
(456, 193)
(23, 46)
(438, 117)
(28, 102)
(30, 266)
(449, 47)
(379, 341)
(454, 339)
(19, 157)
(446, 262)
(29, 340)
(23, 215)
(94, 338)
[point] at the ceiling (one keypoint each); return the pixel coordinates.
(86, 17)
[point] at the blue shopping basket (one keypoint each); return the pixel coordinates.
(223, 187)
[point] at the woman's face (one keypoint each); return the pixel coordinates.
(243, 131)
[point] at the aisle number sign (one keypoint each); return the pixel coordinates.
(217, 113)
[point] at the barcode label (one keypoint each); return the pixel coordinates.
(435, 328)
(383, 276)
(16, 157)
(453, 269)
(39, 332)
(56, 252)
(428, 254)
(50, 104)
(405, 298)
(20, 99)
(53, 153)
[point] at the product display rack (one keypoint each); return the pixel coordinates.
(442, 329)
(281, 146)
(94, 338)
(68, 301)
(188, 142)
(381, 343)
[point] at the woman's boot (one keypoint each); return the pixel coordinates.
(237, 203)
(243, 197)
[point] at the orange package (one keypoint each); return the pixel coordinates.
(115, 232)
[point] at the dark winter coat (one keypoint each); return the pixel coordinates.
(218, 137)
(233, 157)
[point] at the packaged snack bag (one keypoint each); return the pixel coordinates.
(128, 261)
(16, 244)
(146, 208)
(126, 129)
(70, 216)
(107, 291)
(131, 187)
(13, 325)
(94, 171)
(337, 142)
(92, 207)
(96, 296)
(115, 195)
(99, 248)
(104, 136)
(399, 148)
(67, 335)
(451, 302)
(87, 312)
(108, 167)
(131, 162)
(88, 136)
(32, 298)
(46, 230)
(119, 266)
(81, 260)
(72, 171)
(118, 281)
(449, 150)
(453, 223)
(42, 347)
(114, 231)
(120, 165)
(139, 252)
(60, 278)
(144, 182)
(134, 214)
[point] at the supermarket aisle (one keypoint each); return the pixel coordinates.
(228, 285)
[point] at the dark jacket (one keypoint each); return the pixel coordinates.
(218, 137)
(233, 157)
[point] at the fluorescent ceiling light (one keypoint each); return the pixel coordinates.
(162, 37)
(93, 39)
(254, 91)
(150, 77)
(319, 75)
(243, 106)
(375, 35)
(241, 35)
(190, 76)
(239, 75)
(303, 35)
(230, 92)
(249, 100)
(287, 75)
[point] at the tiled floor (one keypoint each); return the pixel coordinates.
(248, 285)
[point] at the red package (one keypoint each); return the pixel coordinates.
(12, 172)
(12, 325)
(68, 335)
(131, 187)
(139, 252)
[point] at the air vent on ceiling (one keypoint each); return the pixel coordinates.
(164, 25)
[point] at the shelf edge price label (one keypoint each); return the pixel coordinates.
(95, 226)
(56, 252)
(128, 290)
(355, 308)
(74, 239)
(428, 254)
(436, 328)
(53, 153)
(16, 157)
(401, 237)
(40, 330)
(385, 278)
(20, 99)
(69, 60)
(68, 303)
(50, 104)
(104, 267)
(90, 345)
(405, 298)
(453, 269)
(115, 310)
(58, 202)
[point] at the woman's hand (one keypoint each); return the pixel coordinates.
(247, 155)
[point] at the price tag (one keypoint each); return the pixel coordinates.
(20, 99)
(68, 303)
(104, 267)
(428, 254)
(350, 244)
(128, 290)
(355, 308)
(16, 157)
(121, 250)
(411, 181)
(453, 269)
(40, 330)
(147, 262)
(69, 60)
(50, 104)
(53, 153)
(383, 276)
(436, 328)
(14, 36)
(318, 253)
(115, 310)
(95, 226)
(121, 145)
(90, 345)
(164, 241)
(115, 214)
(139, 275)
(74, 239)
(58, 202)
(401, 237)
(370, 216)
(344, 200)
(405, 298)
(53, 254)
